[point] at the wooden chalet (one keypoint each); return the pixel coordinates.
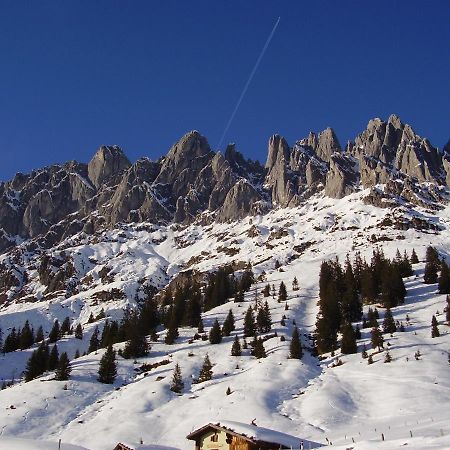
(225, 437)
(121, 446)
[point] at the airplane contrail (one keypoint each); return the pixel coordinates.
(247, 84)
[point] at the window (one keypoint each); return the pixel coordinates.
(215, 437)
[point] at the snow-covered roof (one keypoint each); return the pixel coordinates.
(258, 434)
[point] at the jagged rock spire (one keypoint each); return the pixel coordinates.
(107, 162)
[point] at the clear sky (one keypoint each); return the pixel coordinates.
(78, 74)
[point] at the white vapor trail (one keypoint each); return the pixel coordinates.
(247, 84)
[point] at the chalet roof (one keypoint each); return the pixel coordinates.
(251, 433)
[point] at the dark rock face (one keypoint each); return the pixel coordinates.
(106, 163)
(50, 204)
(385, 148)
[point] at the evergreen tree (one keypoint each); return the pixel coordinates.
(357, 332)
(405, 266)
(350, 304)
(136, 347)
(11, 343)
(389, 323)
(239, 297)
(172, 334)
(247, 279)
(249, 323)
(94, 343)
(414, 259)
(432, 255)
(371, 318)
(42, 356)
(26, 337)
(65, 326)
(193, 311)
(77, 354)
(282, 293)
(258, 348)
(53, 358)
(329, 317)
(32, 367)
(392, 287)
(55, 333)
(295, 286)
(430, 273)
(177, 384)
(228, 324)
(205, 371)
(387, 357)
(107, 371)
(79, 331)
(377, 338)
(266, 290)
(295, 347)
(39, 334)
(63, 370)
(149, 317)
(444, 279)
(434, 327)
(348, 343)
(236, 347)
(263, 319)
(200, 327)
(215, 335)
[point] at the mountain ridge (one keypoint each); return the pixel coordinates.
(191, 179)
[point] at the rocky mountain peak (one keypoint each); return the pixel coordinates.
(109, 160)
(327, 144)
(278, 150)
(189, 153)
(446, 149)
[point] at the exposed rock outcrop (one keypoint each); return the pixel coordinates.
(107, 162)
(62, 200)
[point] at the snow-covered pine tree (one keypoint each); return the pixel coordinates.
(282, 293)
(434, 327)
(177, 384)
(444, 279)
(348, 342)
(387, 357)
(79, 331)
(228, 324)
(107, 370)
(63, 370)
(258, 348)
(65, 326)
(249, 323)
(236, 347)
(389, 322)
(295, 347)
(377, 338)
(55, 332)
(414, 259)
(206, 370)
(215, 335)
(53, 358)
(94, 342)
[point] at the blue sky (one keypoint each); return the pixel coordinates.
(78, 74)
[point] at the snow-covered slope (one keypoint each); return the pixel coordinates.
(309, 399)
